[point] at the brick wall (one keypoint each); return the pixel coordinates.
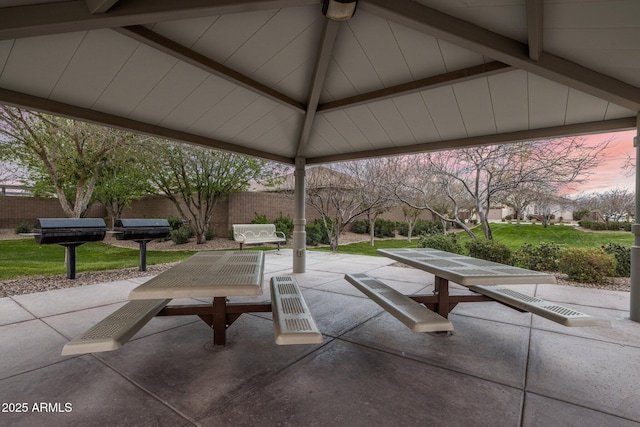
(237, 209)
(16, 209)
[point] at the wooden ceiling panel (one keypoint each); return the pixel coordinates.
(229, 32)
(278, 118)
(547, 102)
(380, 46)
(197, 103)
(366, 122)
(352, 61)
(474, 102)
(510, 100)
(140, 74)
(417, 117)
(445, 112)
(582, 107)
(324, 137)
(165, 96)
(248, 116)
(186, 32)
(228, 107)
(271, 38)
(93, 66)
(420, 51)
(344, 125)
(457, 58)
(389, 117)
(35, 64)
(5, 49)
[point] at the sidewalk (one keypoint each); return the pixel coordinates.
(500, 367)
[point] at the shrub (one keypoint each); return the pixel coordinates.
(587, 265)
(622, 254)
(181, 235)
(316, 233)
(443, 242)
(626, 226)
(541, 257)
(174, 222)
(508, 218)
(421, 228)
(382, 227)
(489, 250)
(260, 219)
(24, 227)
(580, 214)
(613, 225)
(209, 234)
(284, 224)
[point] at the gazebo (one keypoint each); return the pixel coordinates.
(306, 81)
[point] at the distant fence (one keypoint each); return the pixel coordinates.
(15, 190)
(237, 209)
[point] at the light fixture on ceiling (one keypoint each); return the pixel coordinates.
(339, 10)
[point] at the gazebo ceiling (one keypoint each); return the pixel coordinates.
(276, 79)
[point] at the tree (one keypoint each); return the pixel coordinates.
(483, 174)
(195, 179)
(122, 180)
(61, 156)
(337, 197)
(373, 178)
(410, 216)
(616, 204)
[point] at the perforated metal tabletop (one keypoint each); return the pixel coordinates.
(465, 270)
(208, 274)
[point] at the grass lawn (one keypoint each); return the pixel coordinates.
(24, 257)
(512, 235)
(516, 235)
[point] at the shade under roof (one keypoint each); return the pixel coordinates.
(276, 79)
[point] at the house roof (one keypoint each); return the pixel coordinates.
(276, 79)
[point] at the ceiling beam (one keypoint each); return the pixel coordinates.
(534, 28)
(30, 102)
(613, 125)
(99, 6)
(69, 16)
(178, 51)
(458, 76)
(327, 41)
(504, 49)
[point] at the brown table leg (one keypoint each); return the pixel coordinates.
(219, 320)
(442, 291)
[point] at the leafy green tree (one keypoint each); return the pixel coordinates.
(122, 180)
(61, 156)
(195, 179)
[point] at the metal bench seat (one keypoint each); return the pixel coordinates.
(292, 320)
(257, 233)
(415, 316)
(115, 330)
(557, 313)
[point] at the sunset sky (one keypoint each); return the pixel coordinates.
(609, 174)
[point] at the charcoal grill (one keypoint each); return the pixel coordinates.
(141, 231)
(70, 233)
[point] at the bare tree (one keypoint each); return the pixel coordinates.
(373, 178)
(336, 195)
(483, 174)
(616, 204)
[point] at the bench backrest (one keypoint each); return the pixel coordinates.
(253, 231)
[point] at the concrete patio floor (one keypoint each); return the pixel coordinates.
(499, 368)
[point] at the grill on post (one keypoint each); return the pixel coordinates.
(70, 233)
(141, 231)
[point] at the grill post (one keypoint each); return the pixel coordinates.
(71, 260)
(143, 255)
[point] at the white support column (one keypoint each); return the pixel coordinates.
(635, 249)
(299, 219)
